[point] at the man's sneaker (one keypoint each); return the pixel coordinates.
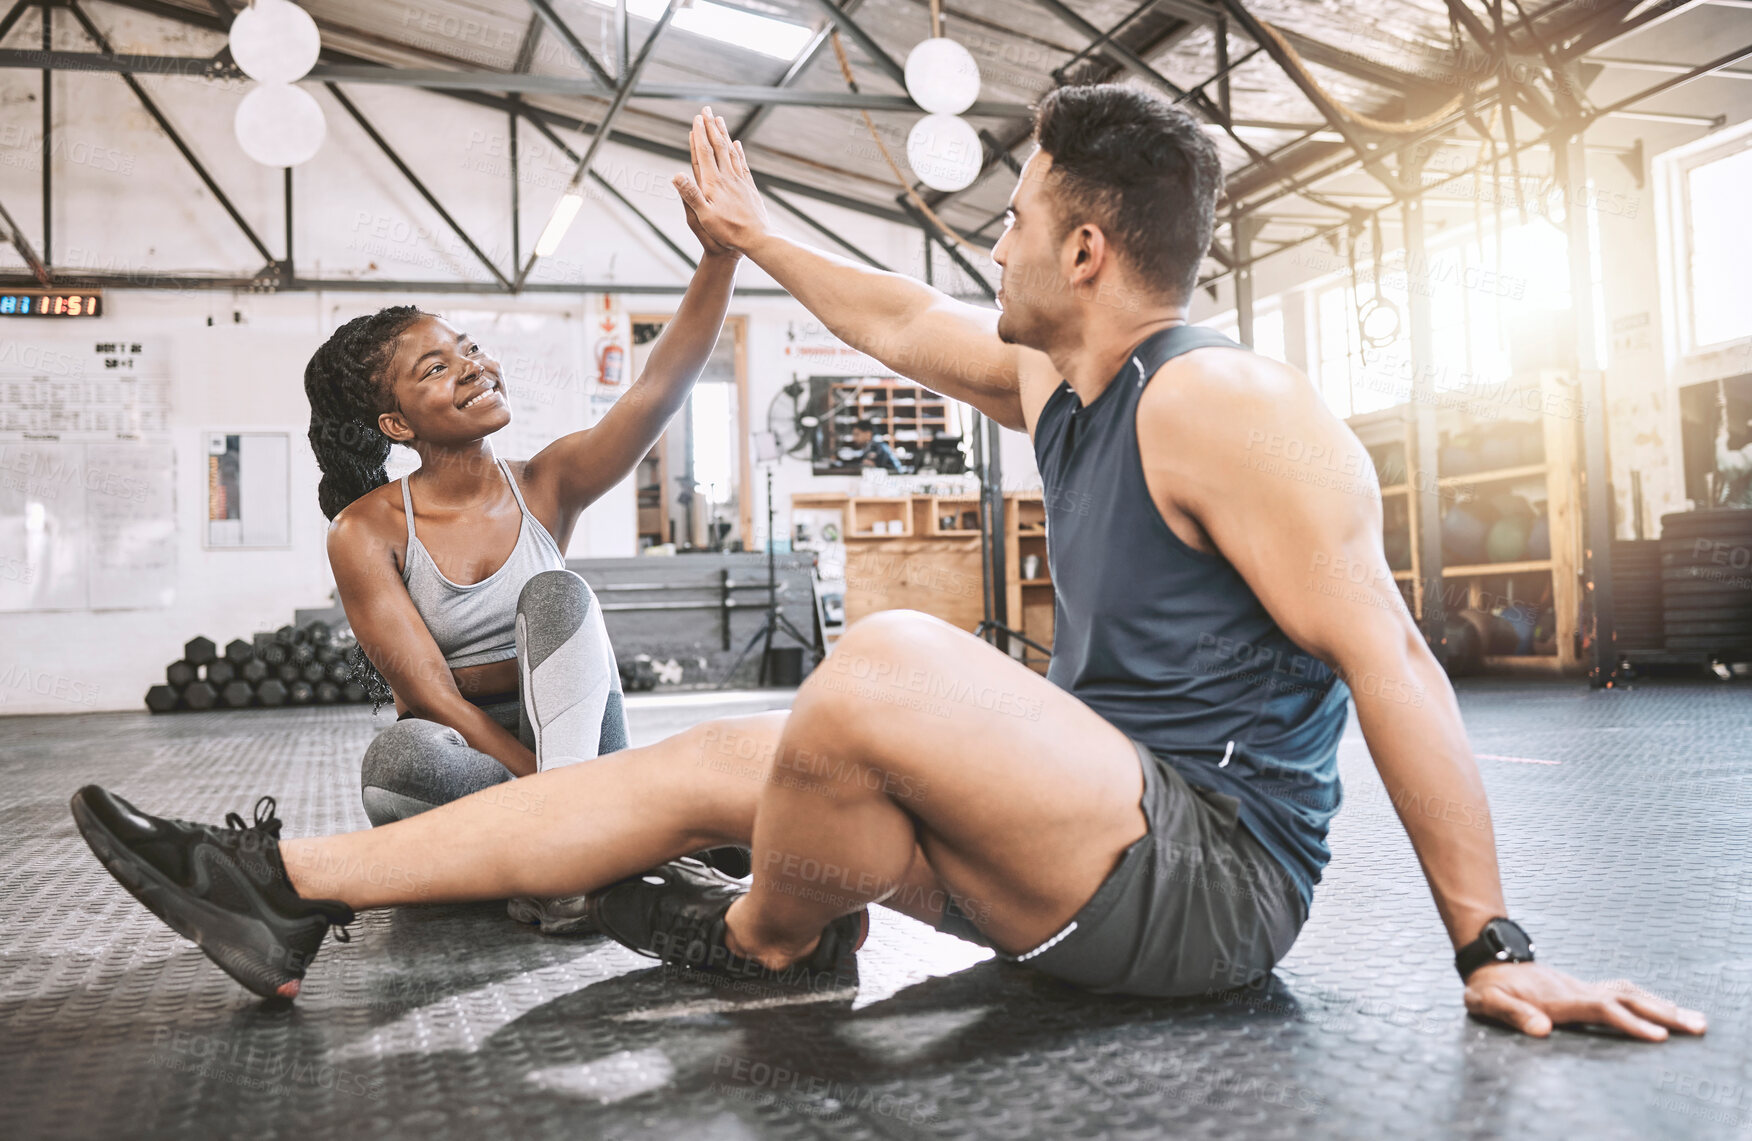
(676, 913)
(224, 888)
(560, 915)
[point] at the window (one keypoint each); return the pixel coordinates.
(1719, 243)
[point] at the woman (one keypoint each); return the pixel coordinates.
(453, 577)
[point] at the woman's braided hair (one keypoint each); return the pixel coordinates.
(344, 382)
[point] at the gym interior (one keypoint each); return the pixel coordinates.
(1495, 238)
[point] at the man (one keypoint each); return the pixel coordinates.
(1150, 820)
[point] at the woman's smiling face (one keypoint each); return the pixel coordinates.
(445, 388)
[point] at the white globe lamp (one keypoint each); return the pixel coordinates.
(280, 125)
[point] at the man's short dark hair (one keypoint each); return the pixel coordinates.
(1141, 169)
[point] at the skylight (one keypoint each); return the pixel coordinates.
(777, 38)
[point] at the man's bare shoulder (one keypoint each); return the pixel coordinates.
(1213, 396)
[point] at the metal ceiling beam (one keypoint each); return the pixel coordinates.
(444, 79)
(147, 282)
(949, 248)
(1365, 149)
(1663, 68)
(22, 244)
(606, 124)
(752, 121)
(13, 14)
(103, 44)
(827, 232)
(564, 34)
(196, 19)
(1544, 139)
(871, 49)
(547, 132)
(414, 181)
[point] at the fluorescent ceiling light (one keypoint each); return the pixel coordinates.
(777, 38)
(564, 211)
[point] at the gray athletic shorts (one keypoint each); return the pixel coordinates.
(1194, 906)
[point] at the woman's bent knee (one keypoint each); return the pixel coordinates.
(415, 764)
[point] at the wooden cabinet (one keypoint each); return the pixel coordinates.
(926, 557)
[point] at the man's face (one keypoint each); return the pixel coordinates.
(1032, 291)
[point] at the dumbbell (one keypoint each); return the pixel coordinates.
(271, 692)
(286, 635)
(327, 654)
(273, 653)
(303, 653)
(238, 651)
(300, 693)
(180, 673)
(288, 672)
(219, 672)
(199, 651)
(318, 633)
(253, 670)
(161, 699)
(340, 671)
(315, 673)
(353, 691)
(200, 695)
(327, 693)
(237, 695)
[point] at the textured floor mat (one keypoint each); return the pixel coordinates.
(1624, 821)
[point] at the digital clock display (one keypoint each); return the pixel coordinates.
(47, 304)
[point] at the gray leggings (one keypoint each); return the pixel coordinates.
(417, 764)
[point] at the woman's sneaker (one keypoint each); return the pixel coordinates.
(224, 888)
(676, 913)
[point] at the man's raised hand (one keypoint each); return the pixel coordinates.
(721, 196)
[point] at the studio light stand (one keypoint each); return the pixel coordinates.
(988, 468)
(766, 451)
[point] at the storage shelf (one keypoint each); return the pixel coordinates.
(1499, 475)
(1404, 576)
(1035, 582)
(1526, 566)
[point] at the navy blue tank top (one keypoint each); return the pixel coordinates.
(1169, 643)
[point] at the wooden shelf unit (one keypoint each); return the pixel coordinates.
(908, 416)
(1392, 432)
(651, 484)
(937, 570)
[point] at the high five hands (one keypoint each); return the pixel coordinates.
(723, 205)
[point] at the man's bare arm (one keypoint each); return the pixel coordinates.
(1245, 448)
(947, 345)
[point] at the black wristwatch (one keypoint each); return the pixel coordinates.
(1501, 941)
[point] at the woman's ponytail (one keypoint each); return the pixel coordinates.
(345, 385)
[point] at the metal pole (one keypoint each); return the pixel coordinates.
(48, 95)
(1423, 474)
(1599, 635)
(1245, 230)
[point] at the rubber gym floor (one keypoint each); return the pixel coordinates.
(1624, 823)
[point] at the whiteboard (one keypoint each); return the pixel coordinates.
(87, 526)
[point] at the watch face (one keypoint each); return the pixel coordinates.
(1506, 935)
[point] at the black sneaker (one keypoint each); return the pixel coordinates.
(676, 913)
(223, 888)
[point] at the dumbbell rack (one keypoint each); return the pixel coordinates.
(304, 664)
(1475, 585)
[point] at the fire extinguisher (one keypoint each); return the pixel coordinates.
(611, 361)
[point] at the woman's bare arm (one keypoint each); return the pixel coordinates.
(395, 638)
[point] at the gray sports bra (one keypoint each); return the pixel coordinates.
(475, 624)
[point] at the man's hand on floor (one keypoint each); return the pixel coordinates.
(1532, 998)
